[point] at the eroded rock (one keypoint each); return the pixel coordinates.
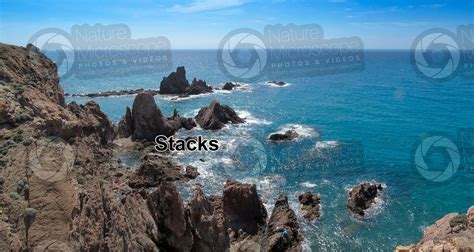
(215, 116)
(362, 196)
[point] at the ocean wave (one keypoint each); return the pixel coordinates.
(250, 119)
(307, 184)
(326, 144)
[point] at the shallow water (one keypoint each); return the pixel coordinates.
(376, 115)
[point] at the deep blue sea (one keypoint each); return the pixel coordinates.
(356, 126)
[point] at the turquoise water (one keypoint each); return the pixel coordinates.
(382, 111)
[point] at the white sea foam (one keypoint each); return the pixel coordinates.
(326, 144)
(308, 184)
(271, 84)
(250, 119)
(303, 131)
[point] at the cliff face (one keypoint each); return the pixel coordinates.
(453, 232)
(62, 188)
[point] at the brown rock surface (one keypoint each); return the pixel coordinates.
(215, 116)
(310, 205)
(362, 196)
(283, 230)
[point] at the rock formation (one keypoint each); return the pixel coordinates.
(453, 232)
(215, 116)
(310, 205)
(145, 121)
(362, 196)
(288, 135)
(229, 86)
(277, 83)
(61, 188)
(175, 83)
(115, 93)
(282, 231)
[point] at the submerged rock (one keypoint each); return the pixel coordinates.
(215, 116)
(288, 135)
(277, 83)
(362, 196)
(283, 230)
(310, 205)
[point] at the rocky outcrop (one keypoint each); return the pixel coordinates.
(362, 196)
(288, 135)
(145, 121)
(453, 232)
(115, 93)
(172, 219)
(229, 86)
(215, 116)
(175, 83)
(283, 230)
(310, 205)
(210, 232)
(243, 208)
(198, 87)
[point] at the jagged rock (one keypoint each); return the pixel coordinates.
(146, 120)
(243, 208)
(362, 196)
(215, 116)
(173, 222)
(210, 234)
(310, 205)
(288, 135)
(175, 83)
(191, 172)
(283, 230)
(198, 87)
(229, 86)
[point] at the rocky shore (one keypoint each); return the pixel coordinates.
(62, 187)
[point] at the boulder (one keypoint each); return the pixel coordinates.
(310, 205)
(191, 172)
(215, 116)
(277, 83)
(362, 196)
(175, 83)
(243, 208)
(283, 230)
(288, 135)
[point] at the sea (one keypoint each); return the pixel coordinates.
(365, 125)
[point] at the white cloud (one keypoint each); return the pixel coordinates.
(206, 5)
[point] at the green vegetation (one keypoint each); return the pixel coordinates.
(458, 220)
(14, 196)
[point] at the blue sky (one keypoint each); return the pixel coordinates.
(203, 23)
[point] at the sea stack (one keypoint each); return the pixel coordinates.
(215, 116)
